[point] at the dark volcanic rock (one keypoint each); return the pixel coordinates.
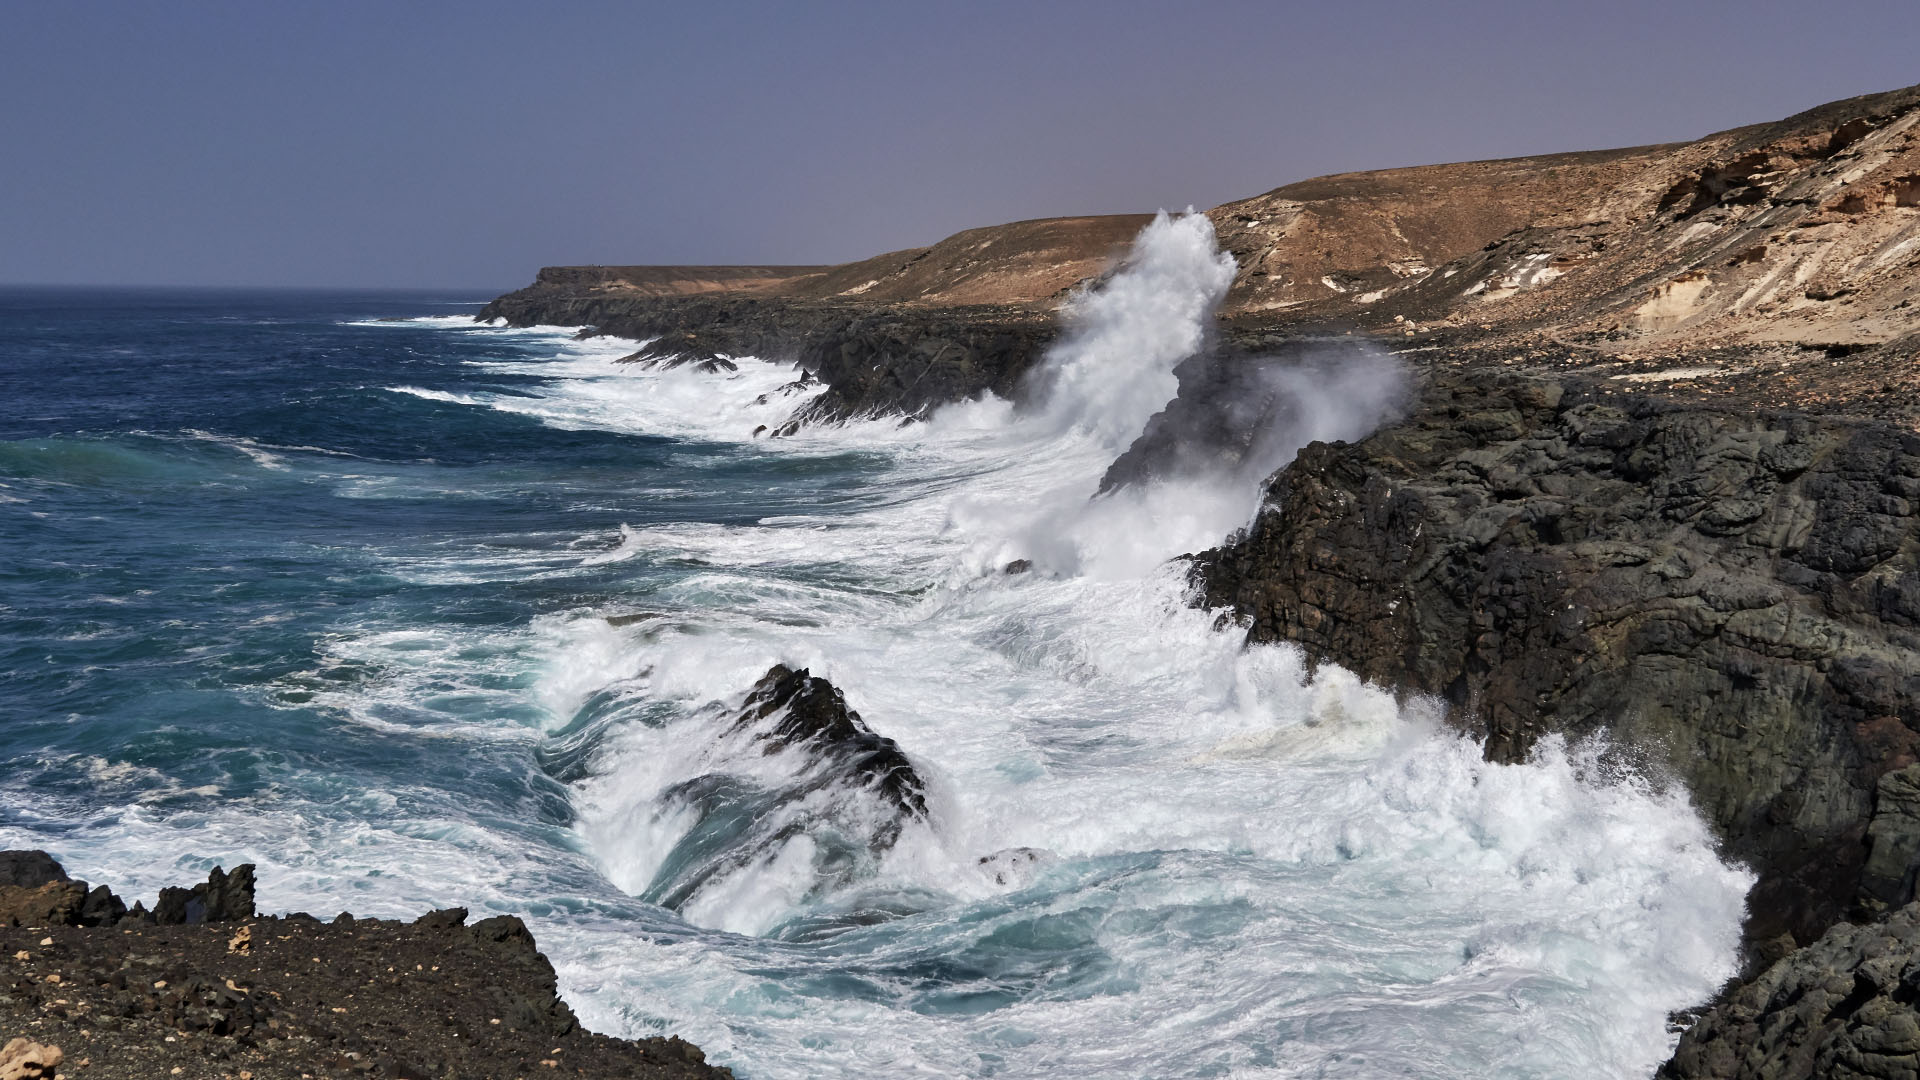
(29, 869)
(1736, 596)
(223, 897)
(812, 714)
(57, 903)
(876, 360)
(56, 900)
(285, 998)
(1246, 404)
(847, 789)
(1843, 1007)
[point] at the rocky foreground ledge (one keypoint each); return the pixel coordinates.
(201, 987)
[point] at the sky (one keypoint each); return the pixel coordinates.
(442, 145)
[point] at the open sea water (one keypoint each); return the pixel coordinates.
(420, 613)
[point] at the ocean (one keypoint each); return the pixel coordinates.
(413, 612)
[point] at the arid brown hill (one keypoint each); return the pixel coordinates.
(1802, 231)
(1026, 262)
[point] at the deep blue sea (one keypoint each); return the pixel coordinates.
(419, 613)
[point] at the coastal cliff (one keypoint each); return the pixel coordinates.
(1735, 598)
(1658, 482)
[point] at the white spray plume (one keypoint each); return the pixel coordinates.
(1113, 368)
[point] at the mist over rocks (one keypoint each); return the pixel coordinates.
(1726, 594)
(1247, 405)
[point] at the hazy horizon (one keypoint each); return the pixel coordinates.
(447, 147)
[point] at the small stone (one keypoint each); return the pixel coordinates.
(241, 941)
(46, 941)
(160, 984)
(22, 955)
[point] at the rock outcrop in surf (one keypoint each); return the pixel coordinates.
(36, 891)
(797, 710)
(845, 791)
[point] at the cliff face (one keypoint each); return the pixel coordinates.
(1848, 1006)
(1735, 596)
(1336, 245)
(1022, 263)
(1802, 231)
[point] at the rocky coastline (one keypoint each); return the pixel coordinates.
(1658, 481)
(204, 986)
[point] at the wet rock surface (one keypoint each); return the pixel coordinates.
(245, 996)
(1735, 598)
(1844, 1007)
(874, 359)
(812, 715)
(849, 791)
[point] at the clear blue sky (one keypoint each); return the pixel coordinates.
(465, 145)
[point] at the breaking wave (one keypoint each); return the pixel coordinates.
(1135, 846)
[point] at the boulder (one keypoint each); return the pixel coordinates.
(29, 869)
(24, 1059)
(223, 897)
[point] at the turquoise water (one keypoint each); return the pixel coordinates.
(288, 584)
